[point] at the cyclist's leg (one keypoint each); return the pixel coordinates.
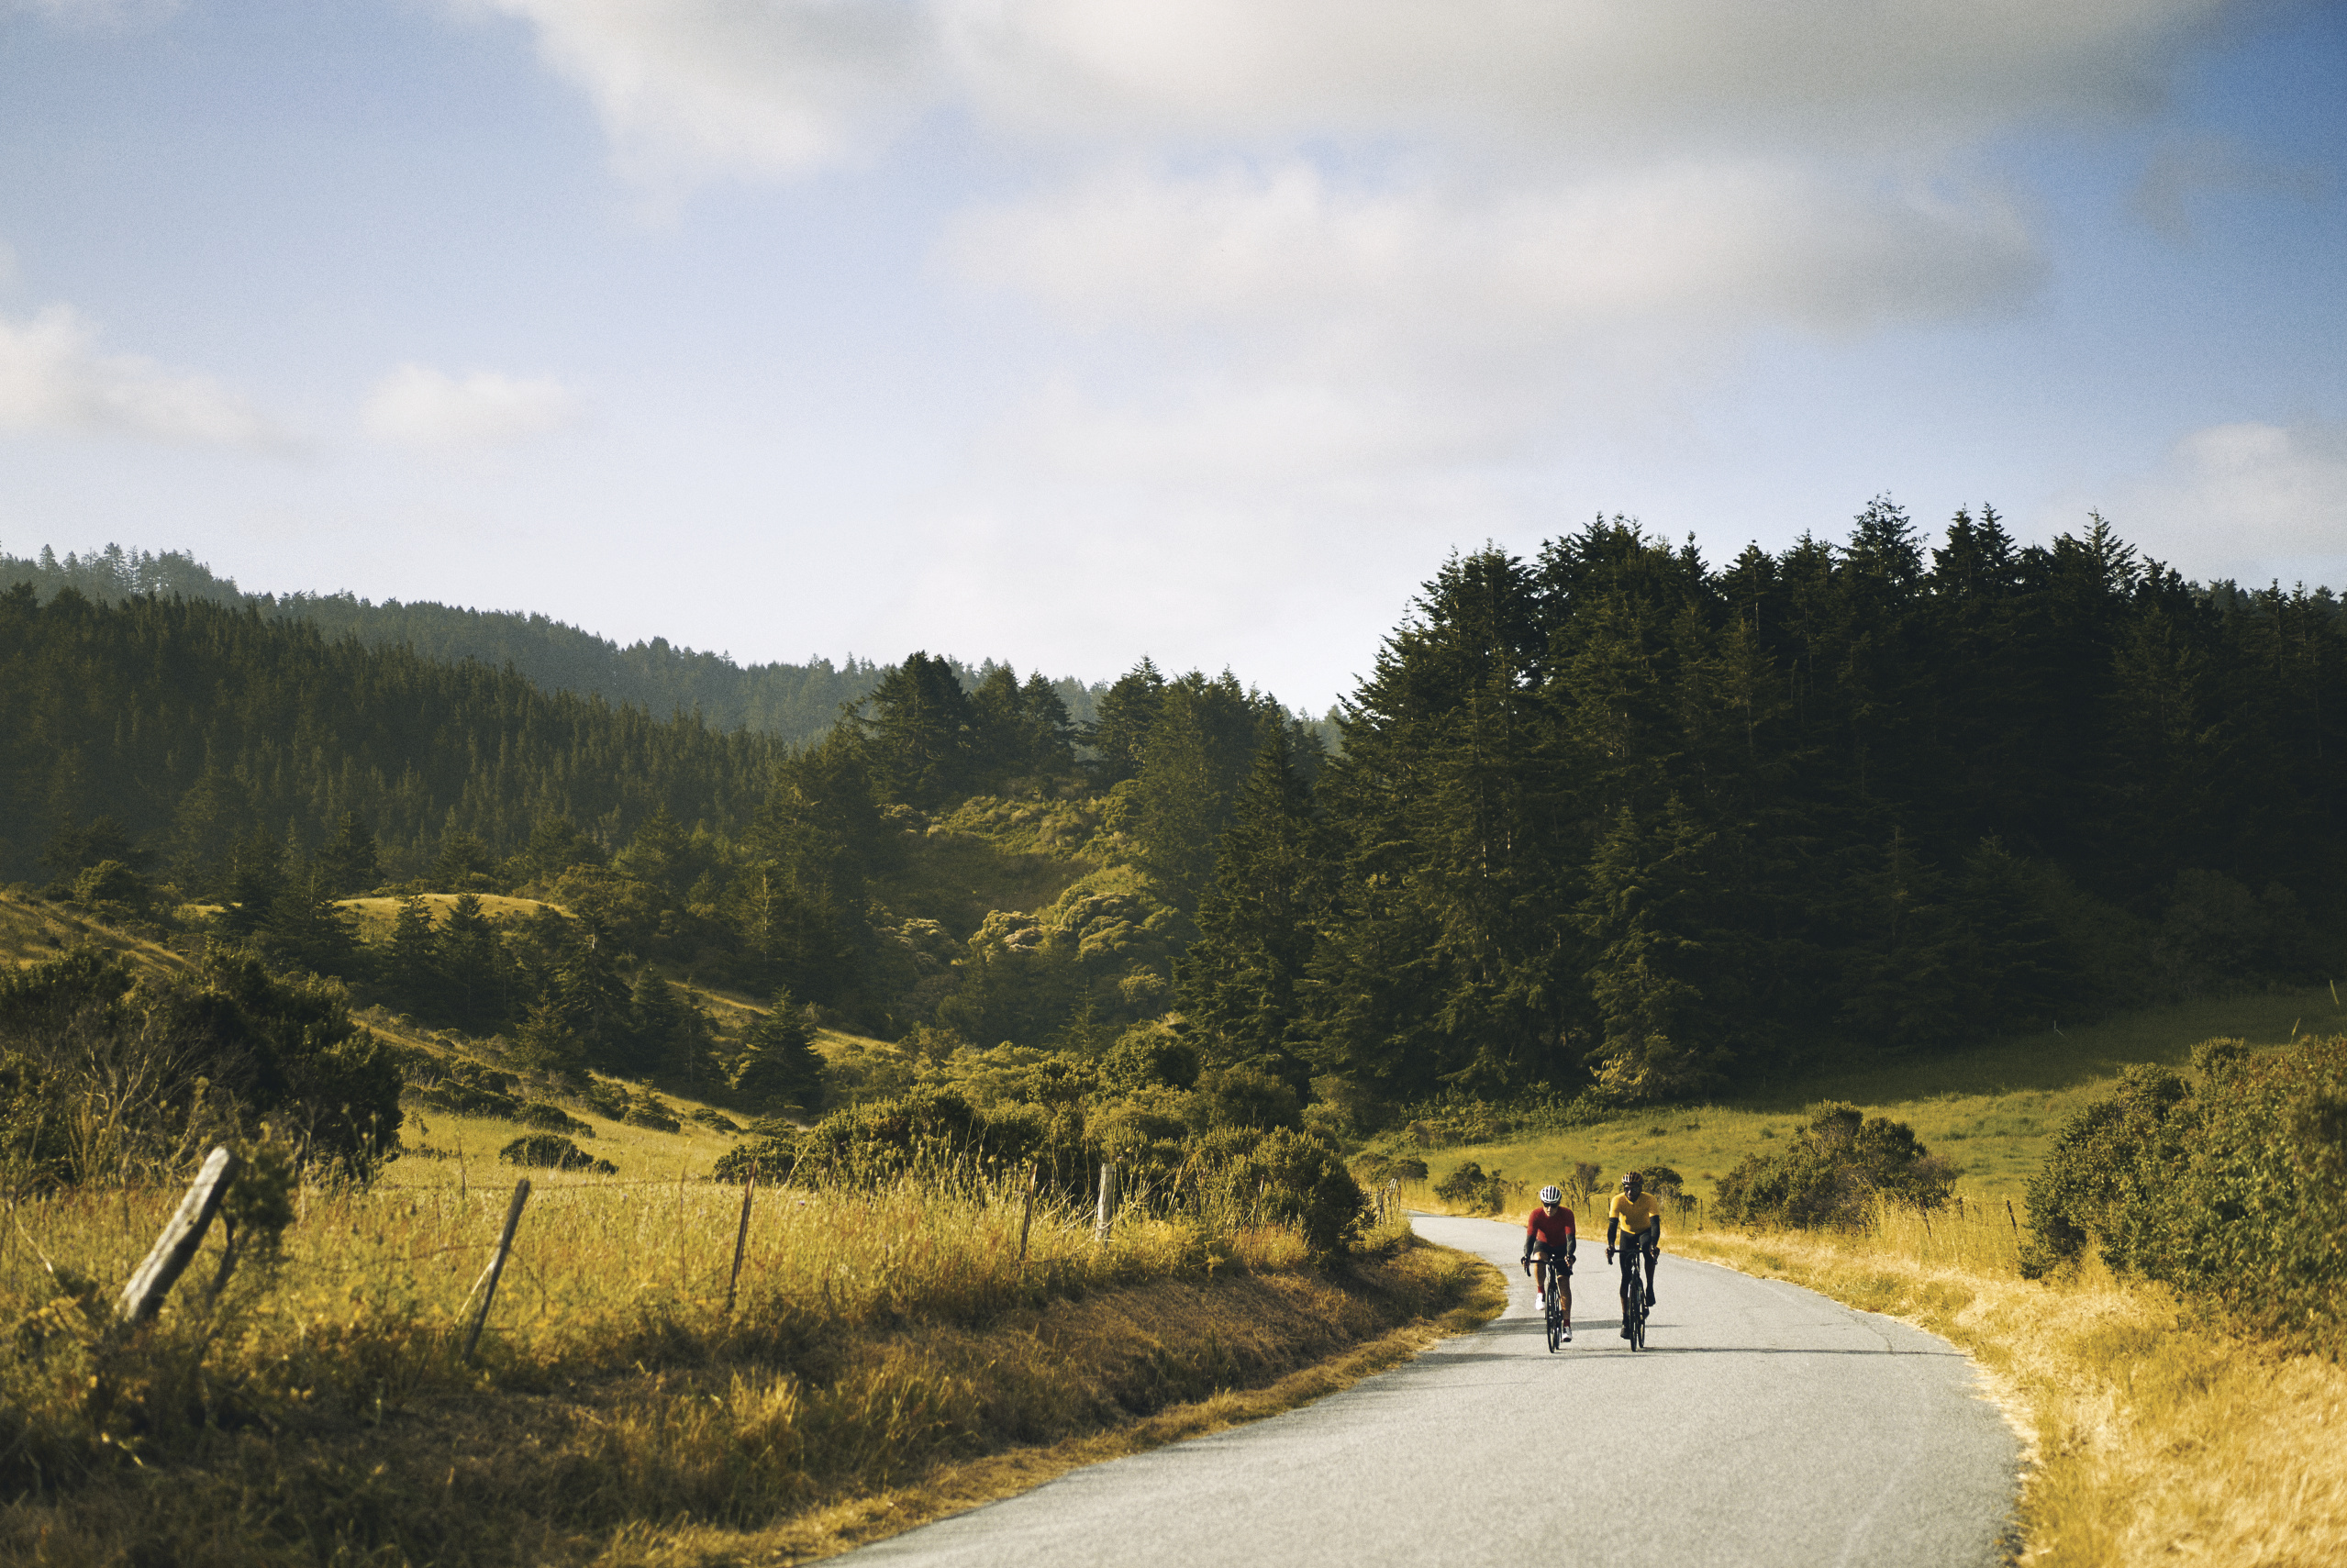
(1652, 1253)
(1630, 1284)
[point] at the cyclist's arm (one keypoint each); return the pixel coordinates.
(1613, 1225)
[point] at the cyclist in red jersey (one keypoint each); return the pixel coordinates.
(1549, 1244)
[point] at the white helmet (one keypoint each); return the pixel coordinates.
(1550, 1194)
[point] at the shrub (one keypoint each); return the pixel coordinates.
(1379, 1169)
(549, 1117)
(182, 1061)
(649, 1111)
(1835, 1169)
(1470, 1187)
(547, 1150)
(1245, 1096)
(1299, 1180)
(605, 1098)
(2231, 1185)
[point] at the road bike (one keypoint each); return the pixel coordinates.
(1552, 1299)
(1633, 1294)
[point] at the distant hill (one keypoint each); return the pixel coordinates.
(793, 703)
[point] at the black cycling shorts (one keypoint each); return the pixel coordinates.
(1634, 1246)
(1555, 1257)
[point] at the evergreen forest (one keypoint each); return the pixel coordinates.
(793, 703)
(1606, 823)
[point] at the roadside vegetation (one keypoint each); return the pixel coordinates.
(1830, 888)
(2160, 1313)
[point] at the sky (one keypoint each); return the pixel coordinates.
(1067, 331)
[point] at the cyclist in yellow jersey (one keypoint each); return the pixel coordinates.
(1635, 1221)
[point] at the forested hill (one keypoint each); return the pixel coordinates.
(1613, 811)
(792, 703)
(191, 725)
(1609, 820)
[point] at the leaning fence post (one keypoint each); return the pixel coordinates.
(1108, 1202)
(1027, 1216)
(486, 1287)
(740, 1236)
(175, 1248)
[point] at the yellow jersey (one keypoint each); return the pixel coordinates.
(1635, 1213)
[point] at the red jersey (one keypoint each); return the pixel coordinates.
(1549, 1229)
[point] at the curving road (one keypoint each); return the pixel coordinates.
(1764, 1426)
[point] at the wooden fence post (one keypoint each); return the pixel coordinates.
(740, 1236)
(175, 1248)
(1108, 1215)
(486, 1287)
(1026, 1215)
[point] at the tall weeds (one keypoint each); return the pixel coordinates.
(873, 1332)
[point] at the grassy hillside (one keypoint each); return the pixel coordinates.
(1994, 1110)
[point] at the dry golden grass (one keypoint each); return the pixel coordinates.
(1993, 1110)
(618, 1407)
(34, 931)
(443, 1150)
(2153, 1438)
(376, 916)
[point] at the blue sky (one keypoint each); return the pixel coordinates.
(1062, 331)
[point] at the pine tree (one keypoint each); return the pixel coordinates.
(1197, 754)
(305, 928)
(476, 973)
(466, 864)
(412, 968)
(1128, 711)
(1648, 885)
(780, 1068)
(256, 879)
(1239, 982)
(920, 736)
(351, 860)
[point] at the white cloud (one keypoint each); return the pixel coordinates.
(53, 377)
(2245, 500)
(786, 84)
(1332, 330)
(1314, 238)
(1289, 251)
(1836, 71)
(416, 406)
(774, 87)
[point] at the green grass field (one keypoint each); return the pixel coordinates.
(1994, 1110)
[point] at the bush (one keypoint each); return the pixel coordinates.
(2231, 1185)
(1835, 1169)
(183, 1062)
(1470, 1187)
(547, 1150)
(549, 1117)
(1301, 1181)
(1379, 1169)
(649, 1111)
(1246, 1097)
(774, 1156)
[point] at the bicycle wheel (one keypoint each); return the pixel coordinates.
(1556, 1319)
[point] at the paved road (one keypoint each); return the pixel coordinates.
(1764, 1425)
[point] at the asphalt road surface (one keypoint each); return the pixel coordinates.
(1763, 1426)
